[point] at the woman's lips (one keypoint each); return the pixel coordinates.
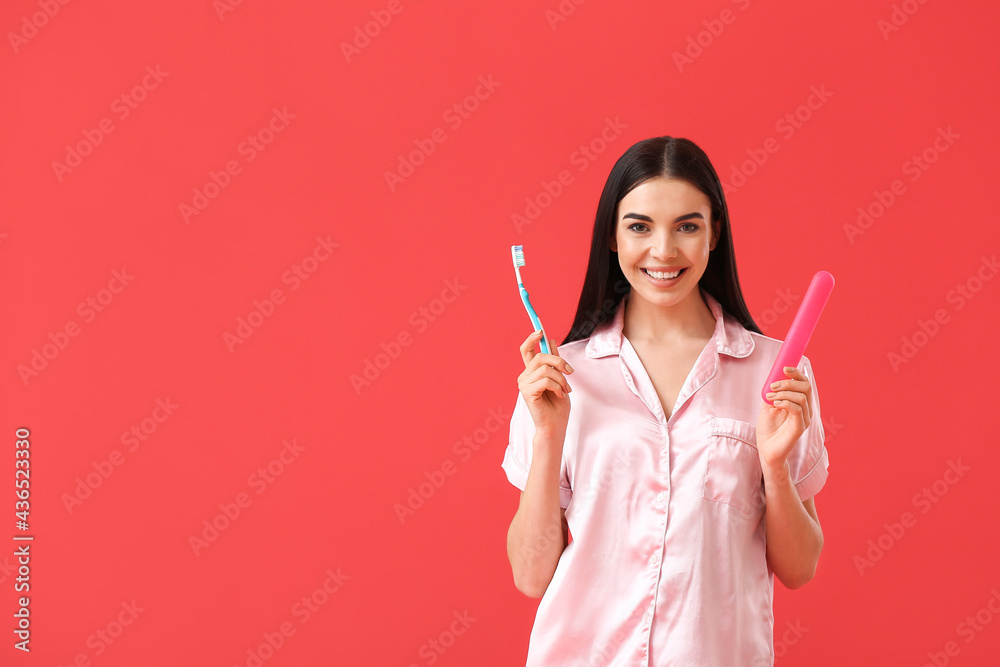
(666, 282)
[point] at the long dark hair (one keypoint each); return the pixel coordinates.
(605, 285)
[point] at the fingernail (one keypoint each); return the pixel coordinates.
(569, 368)
(775, 385)
(789, 369)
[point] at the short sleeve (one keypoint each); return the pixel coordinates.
(517, 458)
(808, 460)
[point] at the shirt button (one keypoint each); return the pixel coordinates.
(645, 617)
(654, 558)
(660, 496)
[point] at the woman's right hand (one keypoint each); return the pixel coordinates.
(544, 387)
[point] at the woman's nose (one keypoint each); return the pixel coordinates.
(664, 246)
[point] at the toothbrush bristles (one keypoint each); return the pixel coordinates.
(519, 255)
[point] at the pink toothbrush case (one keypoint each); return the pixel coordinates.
(801, 330)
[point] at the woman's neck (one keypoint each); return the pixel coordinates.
(690, 319)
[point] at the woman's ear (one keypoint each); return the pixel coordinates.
(716, 232)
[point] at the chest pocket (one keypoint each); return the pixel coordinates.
(733, 474)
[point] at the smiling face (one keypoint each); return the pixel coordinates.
(664, 225)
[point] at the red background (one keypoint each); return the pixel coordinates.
(891, 431)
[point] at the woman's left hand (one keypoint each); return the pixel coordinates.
(780, 426)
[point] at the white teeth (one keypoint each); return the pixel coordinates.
(663, 276)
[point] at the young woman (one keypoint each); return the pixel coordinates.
(684, 492)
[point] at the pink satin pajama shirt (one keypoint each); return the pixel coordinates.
(667, 564)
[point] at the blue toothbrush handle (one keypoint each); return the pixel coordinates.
(534, 319)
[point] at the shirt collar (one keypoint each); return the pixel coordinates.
(730, 336)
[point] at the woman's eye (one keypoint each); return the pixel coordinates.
(692, 227)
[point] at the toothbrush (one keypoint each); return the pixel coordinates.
(801, 330)
(517, 252)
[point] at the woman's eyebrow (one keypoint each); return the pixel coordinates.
(646, 218)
